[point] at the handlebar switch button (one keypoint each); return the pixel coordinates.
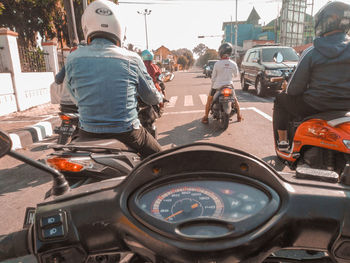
(53, 232)
(51, 220)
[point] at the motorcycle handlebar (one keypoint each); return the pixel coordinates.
(14, 245)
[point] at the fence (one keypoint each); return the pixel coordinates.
(2, 66)
(29, 73)
(33, 60)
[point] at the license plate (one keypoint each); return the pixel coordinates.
(64, 130)
(29, 218)
(226, 99)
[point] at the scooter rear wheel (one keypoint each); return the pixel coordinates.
(224, 121)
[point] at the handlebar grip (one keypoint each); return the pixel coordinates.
(14, 245)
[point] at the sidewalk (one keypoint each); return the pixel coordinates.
(32, 125)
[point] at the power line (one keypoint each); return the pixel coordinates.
(169, 2)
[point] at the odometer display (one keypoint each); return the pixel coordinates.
(223, 200)
(182, 203)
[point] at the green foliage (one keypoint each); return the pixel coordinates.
(2, 7)
(183, 61)
(200, 49)
(208, 55)
(187, 54)
(26, 17)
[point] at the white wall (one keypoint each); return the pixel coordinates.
(33, 88)
(7, 96)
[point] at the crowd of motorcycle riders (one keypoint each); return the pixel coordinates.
(103, 79)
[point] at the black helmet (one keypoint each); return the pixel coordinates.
(333, 16)
(225, 49)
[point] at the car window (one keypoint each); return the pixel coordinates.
(252, 56)
(289, 54)
(211, 64)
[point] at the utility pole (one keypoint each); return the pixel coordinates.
(84, 4)
(145, 13)
(236, 32)
(72, 27)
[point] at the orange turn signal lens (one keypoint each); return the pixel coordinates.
(226, 92)
(62, 164)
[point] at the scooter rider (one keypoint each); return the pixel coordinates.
(224, 73)
(152, 69)
(321, 81)
(105, 80)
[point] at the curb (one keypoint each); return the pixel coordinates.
(35, 133)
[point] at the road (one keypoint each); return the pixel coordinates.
(22, 185)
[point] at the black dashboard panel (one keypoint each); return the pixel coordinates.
(223, 200)
(217, 205)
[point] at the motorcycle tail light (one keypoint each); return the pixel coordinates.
(64, 117)
(319, 131)
(63, 164)
(226, 92)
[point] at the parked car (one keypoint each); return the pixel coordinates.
(209, 68)
(258, 67)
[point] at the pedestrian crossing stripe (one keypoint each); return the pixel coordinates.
(188, 100)
(172, 102)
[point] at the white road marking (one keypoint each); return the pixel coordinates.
(265, 115)
(16, 141)
(203, 98)
(183, 112)
(188, 100)
(172, 102)
(47, 126)
(261, 113)
(43, 129)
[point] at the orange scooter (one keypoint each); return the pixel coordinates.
(320, 142)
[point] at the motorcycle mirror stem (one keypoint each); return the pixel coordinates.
(60, 184)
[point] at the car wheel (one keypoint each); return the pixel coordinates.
(244, 85)
(260, 88)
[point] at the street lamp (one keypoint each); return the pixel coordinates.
(145, 13)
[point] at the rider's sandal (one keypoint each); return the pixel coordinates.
(283, 146)
(205, 120)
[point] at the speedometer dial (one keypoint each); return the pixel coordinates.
(184, 203)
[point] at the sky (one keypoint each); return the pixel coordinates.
(178, 23)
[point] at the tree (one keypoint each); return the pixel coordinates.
(1, 7)
(187, 54)
(27, 17)
(208, 55)
(48, 17)
(183, 61)
(200, 49)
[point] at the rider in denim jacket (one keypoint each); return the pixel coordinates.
(106, 79)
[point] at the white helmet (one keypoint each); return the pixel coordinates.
(100, 20)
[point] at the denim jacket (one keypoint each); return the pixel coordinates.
(105, 80)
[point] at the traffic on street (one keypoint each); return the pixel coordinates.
(23, 186)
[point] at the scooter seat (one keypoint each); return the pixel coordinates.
(96, 145)
(333, 118)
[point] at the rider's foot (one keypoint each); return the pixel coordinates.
(165, 100)
(205, 120)
(283, 146)
(239, 118)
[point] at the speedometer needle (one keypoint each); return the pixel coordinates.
(181, 211)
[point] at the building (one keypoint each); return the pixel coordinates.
(273, 27)
(165, 58)
(247, 30)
